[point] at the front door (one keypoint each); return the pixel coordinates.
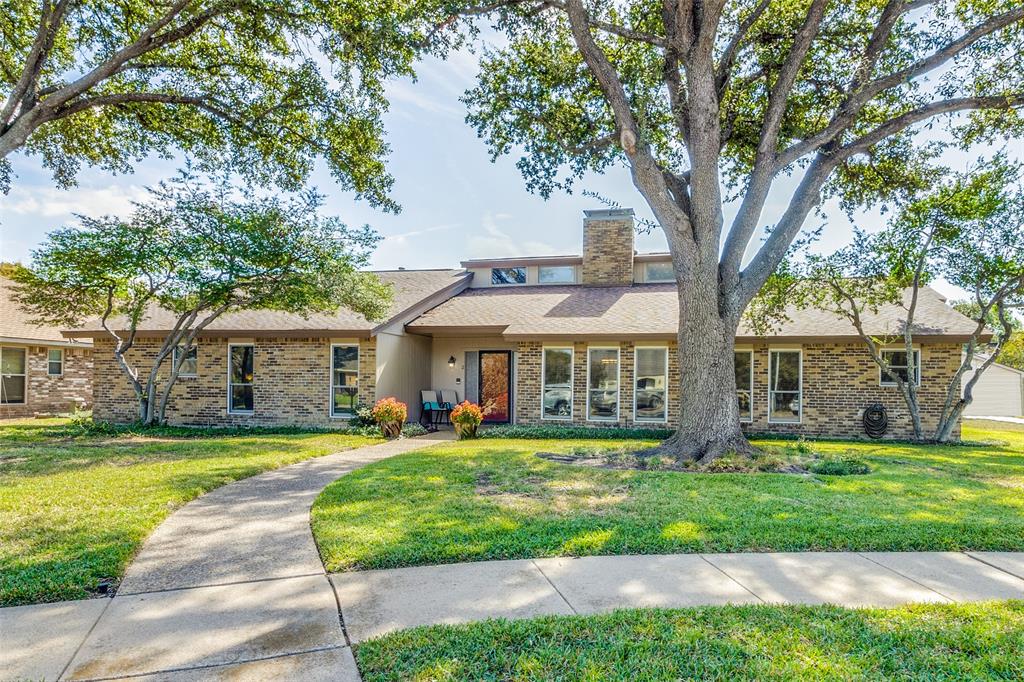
(496, 385)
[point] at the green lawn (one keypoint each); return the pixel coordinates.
(927, 642)
(494, 499)
(75, 507)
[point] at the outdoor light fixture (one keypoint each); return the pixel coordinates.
(451, 361)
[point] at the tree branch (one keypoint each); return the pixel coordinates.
(728, 59)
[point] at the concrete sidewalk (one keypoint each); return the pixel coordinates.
(230, 586)
(376, 602)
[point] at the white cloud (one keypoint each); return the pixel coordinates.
(403, 237)
(415, 95)
(496, 242)
(50, 202)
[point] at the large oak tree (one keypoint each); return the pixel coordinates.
(707, 101)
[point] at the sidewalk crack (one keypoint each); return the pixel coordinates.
(554, 587)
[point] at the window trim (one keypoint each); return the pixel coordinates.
(330, 402)
(618, 384)
(883, 382)
(25, 350)
(750, 386)
(572, 382)
(570, 268)
(49, 362)
(800, 383)
(526, 277)
(636, 364)
(253, 384)
(174, 361)
(647, 273)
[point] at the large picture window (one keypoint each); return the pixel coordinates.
(651, 395)
(12, 375)
(745, 384)
(557, 382)
(500, 276)
(240, 378)
(603, 384)
(784, 386)
(897, 361)
(344, 380)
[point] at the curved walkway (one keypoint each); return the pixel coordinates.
(231, 587)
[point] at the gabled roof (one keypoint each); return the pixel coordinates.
(16, 325)
(414, 291)
(648, 311)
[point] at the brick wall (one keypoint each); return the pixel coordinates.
(607, 248)
(291, 384)
(839, 381)
(54, 394)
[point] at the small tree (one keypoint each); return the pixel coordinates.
(969, 231)
(194, 252)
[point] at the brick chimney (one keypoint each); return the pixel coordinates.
(607, 247)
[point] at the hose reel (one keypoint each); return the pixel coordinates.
(876, 420)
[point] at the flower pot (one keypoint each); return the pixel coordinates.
(465, 431)
(391, 429)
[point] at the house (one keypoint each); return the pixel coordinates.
(41, 371)
(998, 393)
(586, 339)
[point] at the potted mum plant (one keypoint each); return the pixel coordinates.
(390, 414)
(466, 417)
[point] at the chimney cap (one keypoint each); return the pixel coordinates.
(602, 213)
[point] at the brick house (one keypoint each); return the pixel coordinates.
(41, 371)
(586, 340)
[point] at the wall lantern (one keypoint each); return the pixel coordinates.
(451, 361)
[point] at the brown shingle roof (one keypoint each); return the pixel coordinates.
(412, 288)
(645, 311)
(17, 325)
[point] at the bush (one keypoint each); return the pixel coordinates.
(466, 417)
(390, 413)
(363, 416)
(573, 433)
(839, 466)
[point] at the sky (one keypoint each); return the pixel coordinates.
(456, 203)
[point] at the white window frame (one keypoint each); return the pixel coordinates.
(886, 383)
(48, 361)
(330, 403)
(618, 384)
(647, 273)
(253, 384)
(526, 276)
(636, 364)
(23, 349)
(184, 375)
(572, 381)
(570, 268)
(750, 386)
(800, 384)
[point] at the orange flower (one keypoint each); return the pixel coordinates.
(390, 410)
(467, 413)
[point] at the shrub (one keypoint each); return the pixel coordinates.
(390, 413)
(466, 417)
(839, 466)
(363, 416)
(573, 433)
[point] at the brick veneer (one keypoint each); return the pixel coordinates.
(291, 384)
(839, 381)
(53, 394)
(607, 251)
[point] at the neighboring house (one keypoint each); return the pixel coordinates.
(41, 372)
(998, 393)
(587, 339)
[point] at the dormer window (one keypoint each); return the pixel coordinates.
(502, 276)
(661, 271)
(556, 274)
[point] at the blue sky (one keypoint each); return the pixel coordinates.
(456, 203)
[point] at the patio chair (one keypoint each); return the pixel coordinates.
(432, 409)
(449, 399)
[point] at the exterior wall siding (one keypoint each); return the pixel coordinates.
(47, 395)
(839, 381)
(291, 383)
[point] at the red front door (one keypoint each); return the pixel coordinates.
(496, 385)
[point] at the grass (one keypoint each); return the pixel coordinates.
(927, 642)
(494, 499)
(75, 506)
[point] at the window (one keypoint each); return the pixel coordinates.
(344, 380)
(651, 395)
(784, 386)
(240, 378)
(190, 363)
(556, 274)
(557, 382)
(745, 384)
(660, 272)
(508, 275)
(603, 384)
(897, 361)
(12, 375)
(55, 362)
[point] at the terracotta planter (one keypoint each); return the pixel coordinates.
(465, 431)
(391, 430)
